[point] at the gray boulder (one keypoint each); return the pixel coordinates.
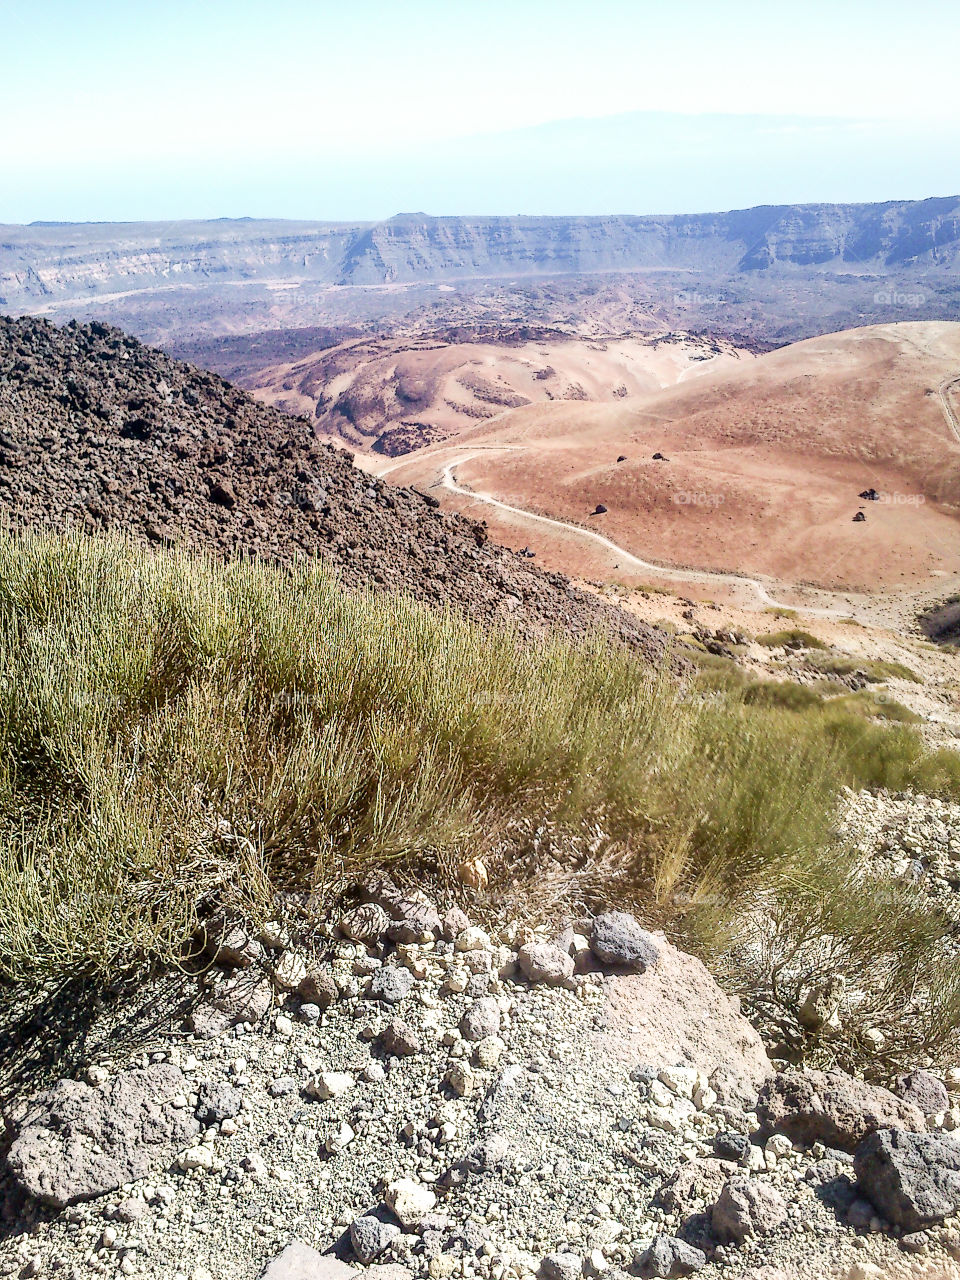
(561, 1266)
(299, 1262)
(747, 1208)
(616, 938)
(545, 962)
(668, 1258)
(218, 1101)
(75, 1141)
(923, 1090)
(731, 1146)
(913, 1179)
(391, 984)
(481, 1019)
(833, 1108)
(370, 1237)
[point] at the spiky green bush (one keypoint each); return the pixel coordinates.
(176, 731)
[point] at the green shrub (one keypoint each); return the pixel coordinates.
(176, 733)
(782, 693)
(875, 670)
(794, 638)
(867, 702)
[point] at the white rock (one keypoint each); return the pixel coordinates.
(197, 1158)
(665, 1118)
(289, 971)
(660, 1095)
(461, 1079)
(254, 1164)
(679, 1080)
(489, 1051)
(274, 935)
(283, 1025)
(410, 1201)
(473, 939)
(340, 1140)
(330, 1084)
(755, 1159)
(704, 1097)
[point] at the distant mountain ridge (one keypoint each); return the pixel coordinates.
(54, 263)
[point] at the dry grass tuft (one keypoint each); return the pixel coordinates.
(176, 731)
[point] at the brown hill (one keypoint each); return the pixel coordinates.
(397, 394)
(100, 432)
(764, 464)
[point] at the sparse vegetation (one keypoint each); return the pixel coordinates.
(879, 706)
(176, 731)
(782, 693)
(794, 638)
(875, 670)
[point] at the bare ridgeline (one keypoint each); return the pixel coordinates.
(770, 274)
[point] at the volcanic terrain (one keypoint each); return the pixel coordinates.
(100, 432)
(762, 469)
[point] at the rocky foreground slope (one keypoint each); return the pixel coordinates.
(100, 432)
(407, 1094)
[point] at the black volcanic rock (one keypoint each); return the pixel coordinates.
(100, 432)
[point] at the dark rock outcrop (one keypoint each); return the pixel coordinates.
(617, 939)
(833, 1108)
(99, 432)
(913, 1179)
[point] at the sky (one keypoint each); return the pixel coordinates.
(360, 109)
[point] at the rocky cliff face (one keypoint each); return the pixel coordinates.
(52, 264)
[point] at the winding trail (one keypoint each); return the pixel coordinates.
(448, 480)
(947, 407)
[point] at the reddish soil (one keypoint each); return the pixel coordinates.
(764, 464)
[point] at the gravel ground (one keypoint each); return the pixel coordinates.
(914, 836)
(532, 1140)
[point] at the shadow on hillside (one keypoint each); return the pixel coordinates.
(47, 1034)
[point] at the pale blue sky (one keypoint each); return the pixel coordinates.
(360, 108)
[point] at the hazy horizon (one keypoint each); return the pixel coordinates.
(310, 112)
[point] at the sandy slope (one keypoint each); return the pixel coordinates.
(765, 461)
(398, 393)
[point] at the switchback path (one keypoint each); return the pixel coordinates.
(942, 391)
(448, 480)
